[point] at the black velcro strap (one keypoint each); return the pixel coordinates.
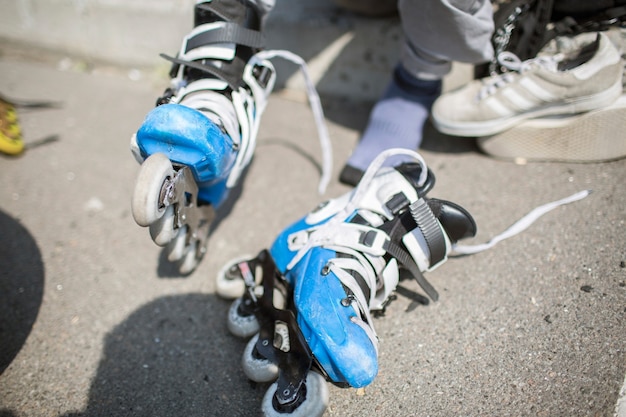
(231, 33)
(405, 259)
(236, 66)
(428, 225)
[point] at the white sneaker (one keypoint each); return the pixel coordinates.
(542, 86)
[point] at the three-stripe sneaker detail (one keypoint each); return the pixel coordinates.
(542, 86)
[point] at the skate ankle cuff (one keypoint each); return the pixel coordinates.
(203, 49)
(226, 35)
(240, 12)
(227, 32)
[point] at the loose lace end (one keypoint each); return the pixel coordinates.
(316, 108)
(519, 226)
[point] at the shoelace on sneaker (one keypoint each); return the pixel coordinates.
(511, 61)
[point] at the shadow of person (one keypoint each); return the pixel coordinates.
(21, 287)
(173, 357)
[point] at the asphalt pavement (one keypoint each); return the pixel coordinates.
(95, 322)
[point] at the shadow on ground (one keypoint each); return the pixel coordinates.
(21, 287)
(173, 357)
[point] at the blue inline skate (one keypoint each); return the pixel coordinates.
(308, 301)
(195, 144)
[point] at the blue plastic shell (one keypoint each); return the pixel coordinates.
(339, 345)
(187, 137)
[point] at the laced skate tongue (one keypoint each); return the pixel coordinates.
(215, 34)
(232, 81)
(216, 25)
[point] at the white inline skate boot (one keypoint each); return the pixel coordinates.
(196, 143)
(308, 301)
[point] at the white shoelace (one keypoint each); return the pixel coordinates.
(249, 141)
(515, 229)
(457, 250)
(326, 232)
(324, 235)
(520, 225)
(316, 108)
(358, 193)
(512, 62)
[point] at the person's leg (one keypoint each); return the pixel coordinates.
(436, 32)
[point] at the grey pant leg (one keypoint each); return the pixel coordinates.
(437, 32)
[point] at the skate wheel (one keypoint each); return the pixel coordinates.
(230, 284)
(176, 247)
(314, 404)
(146, 205)
(239, 324)
(162, 230)
(190, 259)
(257, 368)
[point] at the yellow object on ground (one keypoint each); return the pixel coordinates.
(11, 141)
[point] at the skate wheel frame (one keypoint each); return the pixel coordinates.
(166, 199)
(281, 344)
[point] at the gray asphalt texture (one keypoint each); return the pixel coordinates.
(95, 322)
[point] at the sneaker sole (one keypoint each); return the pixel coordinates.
(588, 137)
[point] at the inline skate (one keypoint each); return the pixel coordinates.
(308, 301)
(195, 144)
